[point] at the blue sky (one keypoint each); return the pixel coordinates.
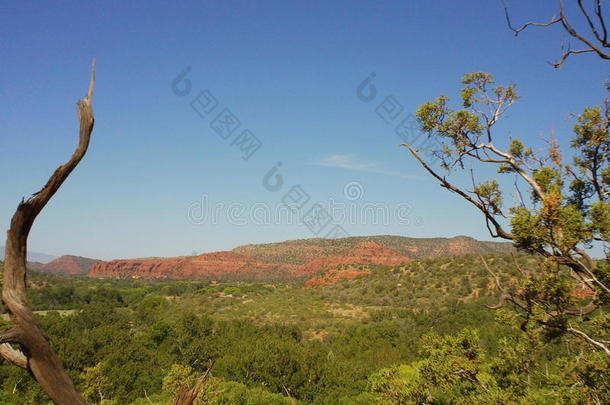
(289, 72)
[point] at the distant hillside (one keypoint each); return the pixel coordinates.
(66, 265)
(302, 250)
(32, 256)
(298, 259)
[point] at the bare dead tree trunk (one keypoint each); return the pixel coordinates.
(37, 355)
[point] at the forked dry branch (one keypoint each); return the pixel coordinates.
(595, 19)
(36, 353)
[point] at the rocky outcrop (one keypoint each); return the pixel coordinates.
(300, 259)
(231, 265)
(219, 265)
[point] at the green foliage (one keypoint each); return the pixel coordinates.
(566, 215)
(234, 393)
(451, 363)
(516, 148)
(398, 385)
(328, 345)
(459, 370)
(95, 384)
(599, 215)
(489, 191)
(177, 377)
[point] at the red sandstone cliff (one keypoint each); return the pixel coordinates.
(210, 265)
(238, 266)
(302, 259)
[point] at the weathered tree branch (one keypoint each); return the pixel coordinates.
(11, 335)
(517, 31)
(598, 11)
(505, 296)
(499, 231)
(579, 266)
(13, 355)
(589, 339)
(41, 360)
(591, 46)
(581, 311)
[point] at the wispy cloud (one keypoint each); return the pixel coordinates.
(353, 162)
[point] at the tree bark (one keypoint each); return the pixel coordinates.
(37, 355)
(188, 396)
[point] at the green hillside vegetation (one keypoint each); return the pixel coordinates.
(302, 250)
(402, 335)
